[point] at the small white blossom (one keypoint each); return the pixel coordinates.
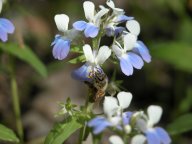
(96, 58)
(113, 106)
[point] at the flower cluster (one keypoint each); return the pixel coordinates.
(6, 26)
(128, 50)
(109, 21)
(138, 127)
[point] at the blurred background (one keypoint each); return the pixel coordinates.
(166, 28)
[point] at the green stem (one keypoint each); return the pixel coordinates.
(82, 130)
(16, 107)
(15, 99)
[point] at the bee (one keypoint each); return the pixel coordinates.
(99, 82)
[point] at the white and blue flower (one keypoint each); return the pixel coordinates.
(113, 109)
(61, 44)
(92, 27)
(118, 16)
(6, 26)
(93, 61)
(134, 52)
(153, 135)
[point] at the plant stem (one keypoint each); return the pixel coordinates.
(82, 130)
(16, 107)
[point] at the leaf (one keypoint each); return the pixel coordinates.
(25, 54)
(185, 30)
(62, 131)
(186, 102)
(77, 59)
(7, 134)
(181, 125)
(177, 54)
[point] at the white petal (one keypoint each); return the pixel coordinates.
(133, 26)
(89, 9)
(124, 99)
(129, 41)
(154, 113)
(62, 22)
(114, 139)
(103, 54)
(117, 11)
(115, 120)
(117, 50)
(110, 105)
(110, 3)
(138, 139)
(97, 17)
(88, 53)
(141, 124)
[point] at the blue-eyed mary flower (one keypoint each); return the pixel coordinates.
(6, 26)
(113, 110)
(139, 47)
(118, 16)
(134, 52)
(94, 59)
(153, 135)
(92, 27)
(61, 44)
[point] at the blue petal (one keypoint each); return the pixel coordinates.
(101, 127)
(141, 49)
(82, 74)
(114, 32)
(123, 18)
(163, 135)
(57, 37)
(3, 35)
(135, 60)
(7, 25)
(109, 31)
(152, 137)
(61, 48)
(119, 30)
(91, 30)
(99, 124)
(127, 117)
(80, 25)
(94, 122)
(126, 66)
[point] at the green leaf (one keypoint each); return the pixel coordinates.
(186, 102)
(7, 134)
(77, 59)
(62, 131)
(181, 125)
(25, 54)
(177, 54)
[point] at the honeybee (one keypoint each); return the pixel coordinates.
(99, 82)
